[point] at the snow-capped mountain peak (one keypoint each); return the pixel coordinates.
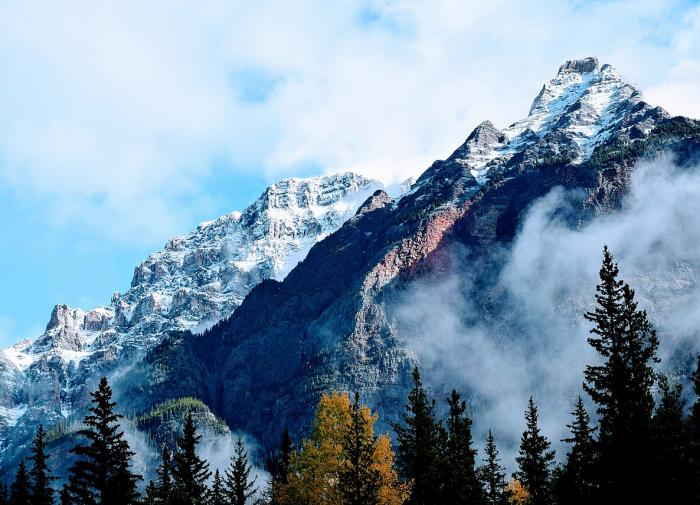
(584, 100)
(193, 282)
(575, 111)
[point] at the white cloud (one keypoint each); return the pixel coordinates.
(677, 90)
(113, 111)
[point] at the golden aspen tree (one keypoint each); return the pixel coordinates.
(314, 476)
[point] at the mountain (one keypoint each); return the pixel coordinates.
(193, 282)
(332, 322)
(257, 315)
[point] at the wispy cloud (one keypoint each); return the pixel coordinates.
(531, 337)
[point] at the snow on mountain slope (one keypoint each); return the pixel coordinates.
(193, 282)
(581, 106)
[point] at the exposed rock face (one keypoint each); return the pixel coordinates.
(192, 283)
(328, 325)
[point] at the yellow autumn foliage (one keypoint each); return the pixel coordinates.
(315, 469)
(518, 495)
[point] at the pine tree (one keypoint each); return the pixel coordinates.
(20, 490)
(673, 465)
(621, 386)
(359, 480)
(239, 487)
(575, 481)
(218, 493)
(102, 473)
(64, 497)
(535, 460)
(285, 458)
(42, 492)
(278, 465)
(164, 482)
(190, 472)
(694, 434)
(151, 497)
(459, 473)
(418, 440)
(493, 476)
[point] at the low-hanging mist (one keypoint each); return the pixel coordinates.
(524, 333)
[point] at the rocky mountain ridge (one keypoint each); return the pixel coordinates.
(193, 282)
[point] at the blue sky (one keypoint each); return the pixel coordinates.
(123, 123)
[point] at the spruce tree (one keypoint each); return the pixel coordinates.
(102, 473)
(575, 481)
(673, 475)
(461, 485)
(493, 476)
(237, 481)
(64, 496)
(418, 443)
(190, 472)
(359, 480)
(20, 493)
(151, 497)
(42, 492)
(164, 481)
(694, 434)
(218, 493)
(534, 460)
(278, 466)
(621, 386)
(285, 458)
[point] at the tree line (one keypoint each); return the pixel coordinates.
(642, 447)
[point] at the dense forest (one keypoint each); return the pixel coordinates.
(641, 445)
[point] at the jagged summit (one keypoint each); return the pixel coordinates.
(582, 66)
(193, 282)
(577, 110)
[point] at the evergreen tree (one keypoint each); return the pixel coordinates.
(575, 481)
(152, 497)
(673, 471)
(418, 439)
(493, 476)
(164, 482)
(278, 465)
(20, 490)
(102, 473)
(239, 487)
(621, 386)
(190, 472)
(359, 479)
(285, 459)
(42, 492)
(64, 496)
(694, 435)
(461, 485)
(218, 493)
(535, 460)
